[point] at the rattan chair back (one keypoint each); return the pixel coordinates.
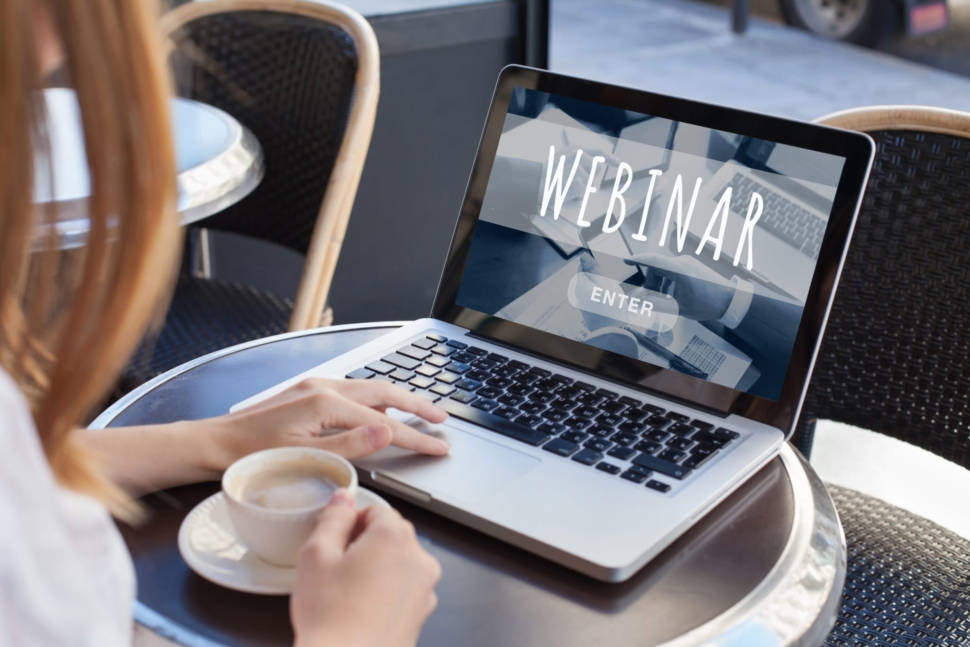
(303, 77)
(896, 354)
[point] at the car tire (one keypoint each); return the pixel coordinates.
(863, 22)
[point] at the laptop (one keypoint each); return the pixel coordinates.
(581, 430)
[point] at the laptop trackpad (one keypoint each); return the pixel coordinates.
(473, 470)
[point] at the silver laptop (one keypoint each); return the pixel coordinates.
(600, 406)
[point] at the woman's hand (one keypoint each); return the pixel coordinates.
(362, 580)
(346, 417)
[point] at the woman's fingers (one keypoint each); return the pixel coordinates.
(383, 395)
(346, 413)
(334, 528)
(359, 441)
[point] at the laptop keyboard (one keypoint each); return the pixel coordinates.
(591, 426)
(798, 227)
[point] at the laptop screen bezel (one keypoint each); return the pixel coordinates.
(856, 148)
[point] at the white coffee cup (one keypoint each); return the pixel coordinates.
(276, 534)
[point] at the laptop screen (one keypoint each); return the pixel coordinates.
(685, 247)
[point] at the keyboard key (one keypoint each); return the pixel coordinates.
(656, 435)
(454, 343)
(727, 433)
(679, 417)
(632, 428)
(489, 392)
(463, 397)
(660, 465)
(574, 436)
(531, 406)
(609, 468)
(530, 420)
(592, 399)
(609, 419)
(562, 379)
(654, 484)
(422, 382)
(414, 353)
(694, 461)
(607, 394)
(683, 444)
(621, 452)
(577, 422)
(427, 371)
(403, 385)
(681, 429)
(635, 477)
(464, 358)
(600, 431)
(612, 406)
(499, 382)
(652, 408)
(444, 351)
(630, 402)
(658, 421)
(636, 415)
(456, 367)
(709, 438)
(495, 357)
(565, 404)
(541, 372)
(598, 444)
(443, 390)
(623, 438)
(555, 415)
(672, 455)
(704, 450)
(527, 378)
(401, 361)
(570, 392)
(468, 385)
(425, 344)
(517, 365)
(484, 364)
(551, 427)
(360, 374)
(507, 412)
(561, 447)
(448, 377)
(547, 385)
(475, 350)
(381, 368)
(485, 404)
(504, 370)
(584, 386)
(542, 397)
(700, 424)
(511, 400)
(401, 375)
(520, 389)
(478, 374)
(437, 361)
(588, 457)
(427, 395)
(647, 446)
(586, 412)
(438, 338)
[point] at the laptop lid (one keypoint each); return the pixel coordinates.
(642, 303)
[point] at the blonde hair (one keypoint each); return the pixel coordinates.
(70, 320)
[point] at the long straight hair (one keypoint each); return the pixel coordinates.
(70, 320)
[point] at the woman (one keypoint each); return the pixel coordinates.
(68, 323)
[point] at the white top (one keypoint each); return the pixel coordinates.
(66, 578)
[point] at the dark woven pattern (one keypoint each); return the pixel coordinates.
(896, 354)
(207, 315)
(908, 581)
(290, 80)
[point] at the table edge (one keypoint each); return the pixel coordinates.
(796, 603)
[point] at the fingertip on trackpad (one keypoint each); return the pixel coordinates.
(474, 469)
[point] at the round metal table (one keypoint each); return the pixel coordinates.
(765, 568)
(219, 163)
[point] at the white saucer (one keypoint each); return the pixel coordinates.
(209, 545)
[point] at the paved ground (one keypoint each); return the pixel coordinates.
(686, 48)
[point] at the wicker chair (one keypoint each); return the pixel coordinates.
(304, 78)
(896, 360)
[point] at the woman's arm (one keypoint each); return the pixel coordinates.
(143, 459)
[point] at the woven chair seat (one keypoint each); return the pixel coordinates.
(908, 580)
(207, 315)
